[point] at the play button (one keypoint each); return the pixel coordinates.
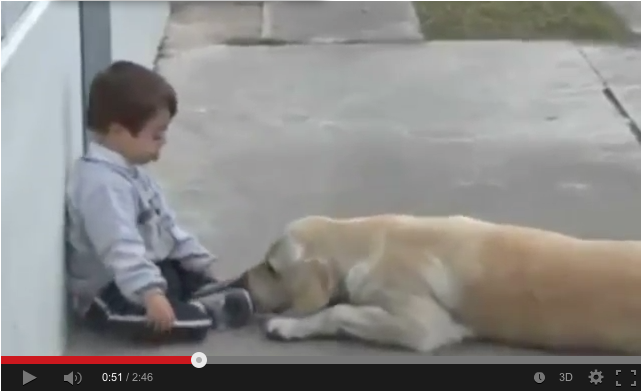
(27, 377)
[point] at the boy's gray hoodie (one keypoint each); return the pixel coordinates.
(119, 226)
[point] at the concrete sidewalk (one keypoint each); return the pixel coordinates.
(340, 22)
(512, 132)
(194, 24)
(308, 22)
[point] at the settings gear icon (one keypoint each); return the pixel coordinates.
(596, 377)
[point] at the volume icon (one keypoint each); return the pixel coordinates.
(73, 378)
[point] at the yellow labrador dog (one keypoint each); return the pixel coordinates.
(421, 283)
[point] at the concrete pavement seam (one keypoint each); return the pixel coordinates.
(266, 28)
(612, 98)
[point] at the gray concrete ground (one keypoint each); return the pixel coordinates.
(512, 132)
(196, 23)
(322, 21)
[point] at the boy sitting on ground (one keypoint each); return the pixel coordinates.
(131, 266)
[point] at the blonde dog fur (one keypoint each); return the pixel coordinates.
(421, 283)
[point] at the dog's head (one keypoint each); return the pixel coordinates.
(289, 279)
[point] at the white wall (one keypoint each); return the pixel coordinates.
(41, 134)
(11, 11)
(137, 29)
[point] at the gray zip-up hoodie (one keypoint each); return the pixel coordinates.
(119, 226)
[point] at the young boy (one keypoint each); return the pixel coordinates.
(131, 267)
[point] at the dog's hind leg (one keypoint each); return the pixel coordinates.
(423, 331)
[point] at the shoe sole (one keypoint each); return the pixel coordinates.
(243, 306)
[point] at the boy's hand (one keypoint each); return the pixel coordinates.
(159, 311)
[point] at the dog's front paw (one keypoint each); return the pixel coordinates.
(281, 329)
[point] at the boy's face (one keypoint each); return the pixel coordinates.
(145, 147)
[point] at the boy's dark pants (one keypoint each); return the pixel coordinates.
(112, 312)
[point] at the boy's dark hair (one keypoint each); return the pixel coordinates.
(128, 94)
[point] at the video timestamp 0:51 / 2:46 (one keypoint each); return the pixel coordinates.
(127, 377)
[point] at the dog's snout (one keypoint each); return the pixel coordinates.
(240, 282)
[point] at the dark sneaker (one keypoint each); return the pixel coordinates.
(209, 288)
(231, 308)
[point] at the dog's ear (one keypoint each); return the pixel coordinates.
(284, 251)
(314, 287)
(273, 249)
